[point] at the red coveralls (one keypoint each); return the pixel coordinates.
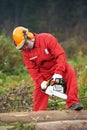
(45, 59)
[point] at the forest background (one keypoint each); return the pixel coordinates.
(66, 20)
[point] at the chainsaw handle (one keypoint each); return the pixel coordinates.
(59, 81)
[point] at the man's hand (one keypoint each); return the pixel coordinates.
(44, 85)
(58, 79)
(56, 76)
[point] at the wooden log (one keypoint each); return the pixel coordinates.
(62, 125)
(6, 127)
(43, 116)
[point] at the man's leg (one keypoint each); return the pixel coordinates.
(71, 87)
(40, 100)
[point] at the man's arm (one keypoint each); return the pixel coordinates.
(33, 69)
(57, 51)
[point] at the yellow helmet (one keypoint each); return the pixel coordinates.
(19, 36)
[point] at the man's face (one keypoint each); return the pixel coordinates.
(29, 44)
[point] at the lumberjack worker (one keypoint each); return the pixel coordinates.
(45, 59)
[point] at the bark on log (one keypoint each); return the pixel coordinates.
(62, 125)
(43, 116)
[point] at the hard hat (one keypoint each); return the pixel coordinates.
(19, 36)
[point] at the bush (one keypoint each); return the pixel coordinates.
(10, 58)
(15, 74)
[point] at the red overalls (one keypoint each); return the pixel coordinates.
(45, 59)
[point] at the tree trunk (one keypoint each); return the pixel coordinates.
(43, 116)
(62, 125)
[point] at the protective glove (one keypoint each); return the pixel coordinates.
(44, 85)
(58, 79)
(55, 76)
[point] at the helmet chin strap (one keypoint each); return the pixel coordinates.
(25, 36)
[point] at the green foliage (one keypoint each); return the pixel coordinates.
(19, 126)
(9, 56)
(75, 48)
(70, 46)
(13, 75)
(79, 62)
(56, 104)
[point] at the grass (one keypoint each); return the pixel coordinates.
(20, 77)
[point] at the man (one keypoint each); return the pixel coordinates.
(45, 59)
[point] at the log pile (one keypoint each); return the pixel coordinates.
(50, 120)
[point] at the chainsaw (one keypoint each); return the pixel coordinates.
(56, 88)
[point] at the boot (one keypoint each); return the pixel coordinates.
(76, 107)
